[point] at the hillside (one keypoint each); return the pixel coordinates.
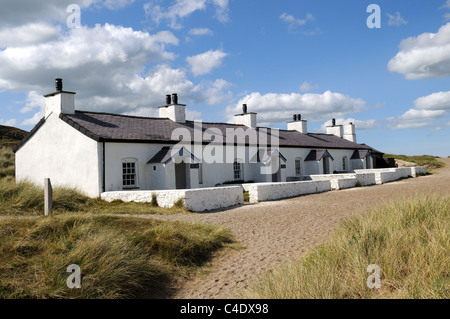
(9, 136)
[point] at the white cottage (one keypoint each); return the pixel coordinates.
(101, 152)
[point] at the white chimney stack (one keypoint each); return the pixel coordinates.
(172, 110)
(337, 130)
(247, 119)
(59, 101)
(349, 132)
(298, 124)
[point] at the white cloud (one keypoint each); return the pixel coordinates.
(273, 108)
(105, 66)
(10, 122)
(21, 12)
(424, 56)
(396, 20)
(293, 22)
(217, 92)
(359, 124)
(205, 62)
(446, 4)
(414, 118)
(27, 34)
(181, 9)
(306, 87)
(435, 101)
(200, 31)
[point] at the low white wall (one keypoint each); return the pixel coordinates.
(259, 192)
(196, 200)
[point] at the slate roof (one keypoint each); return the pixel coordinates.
(125, 128)
(167, 154)
(317, 155)
(360, 154)
(107, 127)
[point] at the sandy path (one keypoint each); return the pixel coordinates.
(273, 232)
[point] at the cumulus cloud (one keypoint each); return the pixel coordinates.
(424, 56)
(276, 108)
(105, 66)
(20, 12)
(27, 34)
(414, 118)
(396, 20)
(359, 124)
(181, 9)
(205, 62)
(435, 101)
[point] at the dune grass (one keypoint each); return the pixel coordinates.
(408, 240)
(429, 161)
(119, 257)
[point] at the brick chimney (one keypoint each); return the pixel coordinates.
(59, 101)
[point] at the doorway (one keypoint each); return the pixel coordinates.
(180, 176)
(326, 165)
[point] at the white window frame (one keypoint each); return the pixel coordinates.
(127, 164)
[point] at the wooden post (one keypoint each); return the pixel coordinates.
(48, 197)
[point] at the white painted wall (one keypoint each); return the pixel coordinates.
(196, 200)
(63, 154)
(259, 192)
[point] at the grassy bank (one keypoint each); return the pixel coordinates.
(409, 241)
(429, 161)
(119, 257)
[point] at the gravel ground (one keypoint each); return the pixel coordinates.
(273, 232)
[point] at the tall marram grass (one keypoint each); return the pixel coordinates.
(408, 240)
(119, 257)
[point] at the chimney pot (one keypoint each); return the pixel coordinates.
(333, 122)
(168, 99)
(244, 108)
(58, 84)
(175, 98)
(295, 117)
(299, 117)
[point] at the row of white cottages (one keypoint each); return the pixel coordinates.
(101, 152)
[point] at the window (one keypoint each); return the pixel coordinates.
(237, 170)
(344, 163)
(200, 173)
(129, 175)
(298, 166)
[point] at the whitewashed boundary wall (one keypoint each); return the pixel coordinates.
(259, 192)
(196, 200)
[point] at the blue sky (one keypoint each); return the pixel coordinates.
(317, 58)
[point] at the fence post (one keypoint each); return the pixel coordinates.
(48, 197)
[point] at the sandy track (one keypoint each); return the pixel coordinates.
(273, 232)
